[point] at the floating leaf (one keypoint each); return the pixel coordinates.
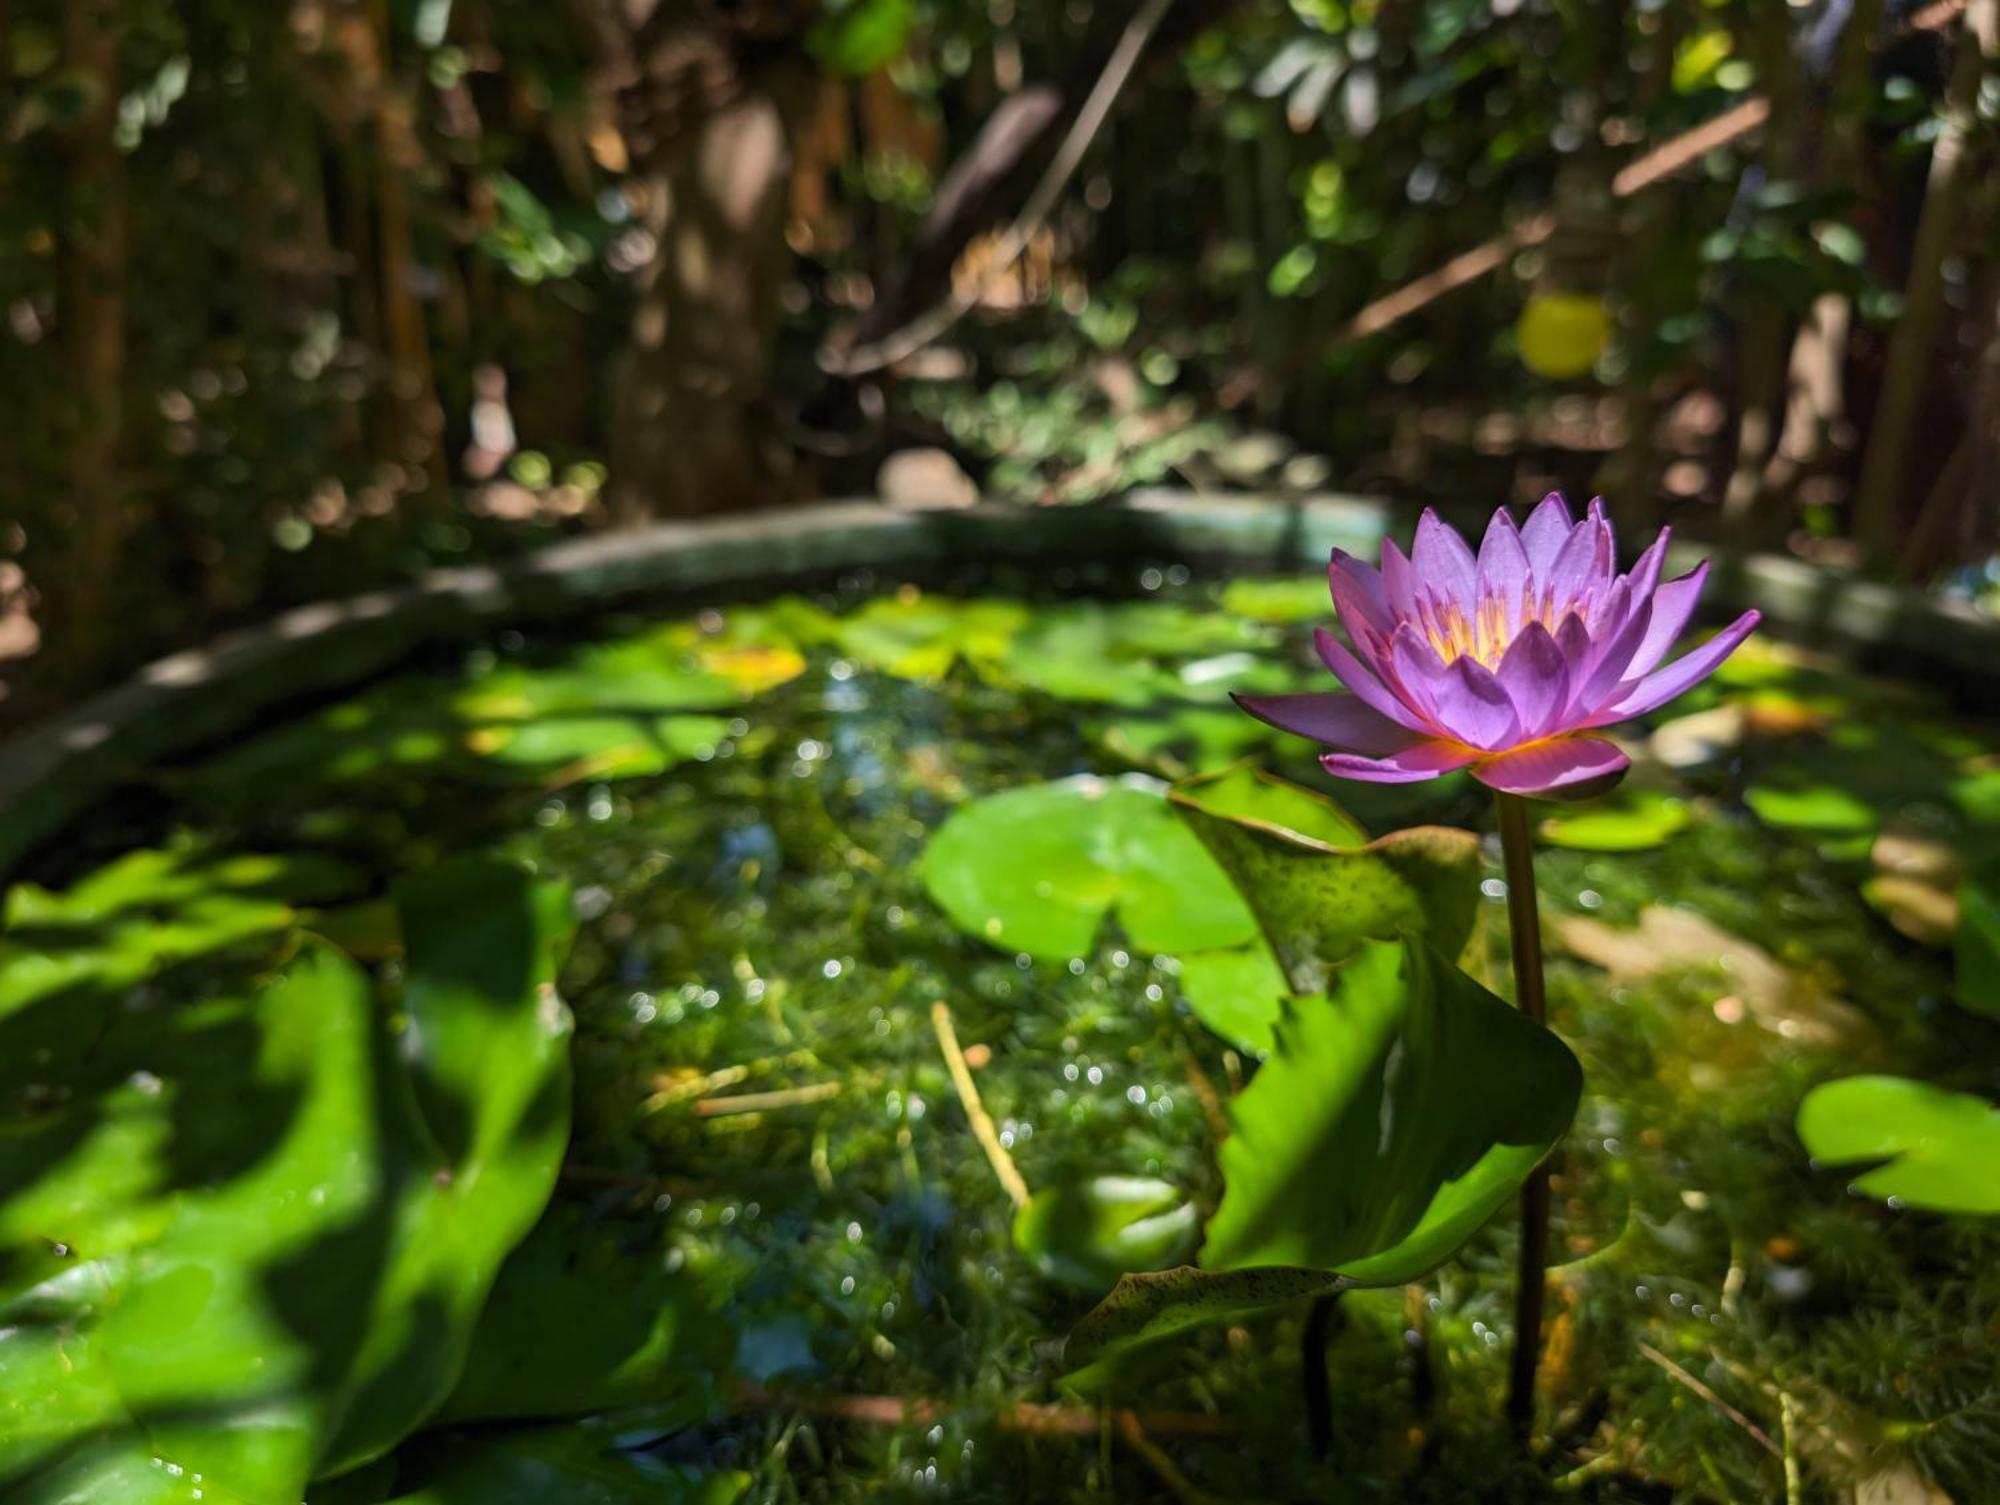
(1630, 820)
(572, 1465)
(586, 1316)
(1113, 654)
(148, 910)
(1038, 869)
(921, 637)
(1146, 1308)
(1088, 1233)
(1316, 892)
(1392, 1118)
(1236, 993)
(1937, 1149)
(861, 36)
(1821, 808)
(603, 746)
(262, 1284)
(1291, 598)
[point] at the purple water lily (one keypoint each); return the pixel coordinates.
(1503, 663)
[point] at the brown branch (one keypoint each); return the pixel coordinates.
(902, 342)
(975, 1111)
(1026, 1418)
(1681, 1376)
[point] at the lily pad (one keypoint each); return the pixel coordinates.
(1115, 655)
(1236, 993)
(277, 1281)
(1039, 869)
(1088, 1233)
(1630, 820)
(1394, 1116)
(586, 1316)
(1824, 809)
(1930, 1148)
(1291, 598)
(921, 637)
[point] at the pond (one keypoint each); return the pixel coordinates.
(848, 871)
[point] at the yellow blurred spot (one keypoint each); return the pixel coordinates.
(1562, 334)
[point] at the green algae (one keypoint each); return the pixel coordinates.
(765, 1132)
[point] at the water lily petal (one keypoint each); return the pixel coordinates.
(1535, 675)
(1473, 707)
(1661, 686)
(1424, 760)
(1583, 567)
(1358, 597)
(1367, 688)
(1337, 720)
(1673, 605)
(1399, 581)
(1413, 673)
(1543, 766)
(1444, 566)
(1503, 569)
(1545, 532)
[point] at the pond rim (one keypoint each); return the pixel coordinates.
(52, 771)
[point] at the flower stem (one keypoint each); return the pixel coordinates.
(1517, 849)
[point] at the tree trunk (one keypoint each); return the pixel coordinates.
(1879, 515)
(694, 427)
(91, 318)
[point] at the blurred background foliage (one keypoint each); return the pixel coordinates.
(307, 297)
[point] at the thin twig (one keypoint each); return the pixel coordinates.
(1794, 1484)
(1205, 1094)
(975, 1111)
(758, 1102)
(672, 1092)
(1179, 1485)
(900, 344)
(1677, 1373)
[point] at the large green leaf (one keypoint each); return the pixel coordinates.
(1928, 1148)
(1147, 1307)
(259, 1282)
(571, 1465)
(1316, 889)
(1393, 1117)
(1088, 1233)
(146, 910)
(1037, 870)
(1237, 993)
(588, 1315)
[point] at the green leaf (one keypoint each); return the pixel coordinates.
(587, 1316)
(1932, 1149)
(922, 637)
(1300, 598)
(1088, 1233)
(1146, 1308)
(1316, 892)
(1038, 869)
(1629, 820)
(862, 36)
(572, 1465)
(1390, 1121)
(1236, 993)
(1112, 654)
(1976, 956)
(1822, 808)
(602, 746)
(259, 1284)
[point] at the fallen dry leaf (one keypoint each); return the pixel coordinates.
(1755, 985)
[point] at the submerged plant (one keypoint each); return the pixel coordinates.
(1505, 663)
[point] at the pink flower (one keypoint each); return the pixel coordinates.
(1504, 664)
